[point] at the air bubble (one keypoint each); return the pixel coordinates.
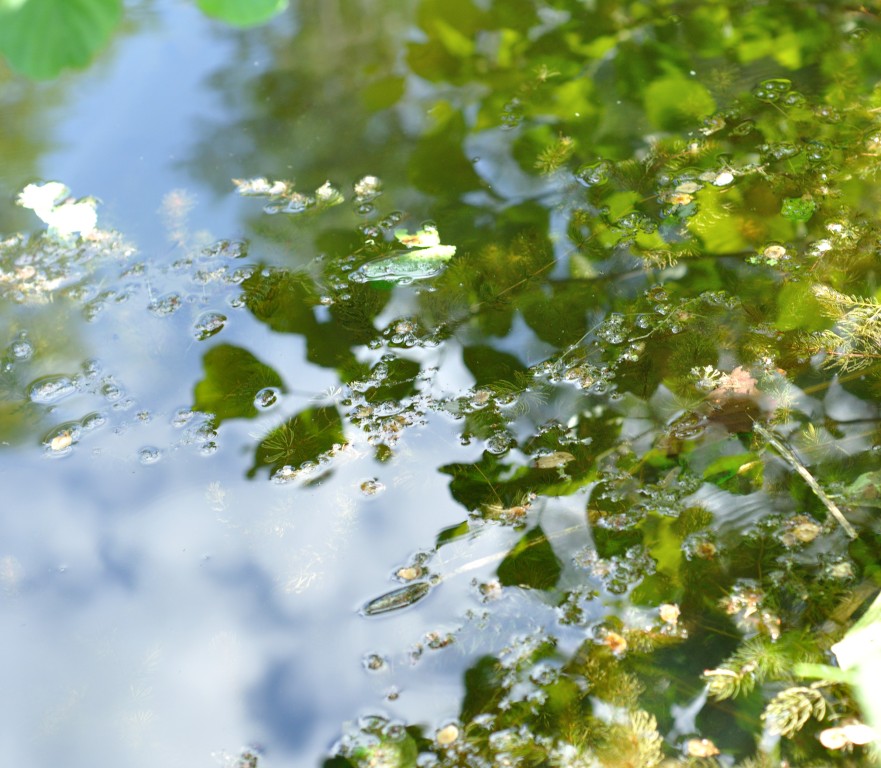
(165, 305)
(208, 324)
(51, 389)
(266, 397)
(512, 114)
(298, 204)
(21, 350)
(367, 188)
(743, 129)
(391, 220)
(780, 150)
(772, 90)
(712, 124)
(93, 421)
(817, 151)
(595, 174)
(228, 249)
(182, 417)
(499, 443)
(149, 455)
(111, 390)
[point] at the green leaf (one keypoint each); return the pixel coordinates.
(243, 13)
(452, 533)
(675, 102)
(306, 437)
(531, 563)
(233, 377)
(490, 366)
(43, 37)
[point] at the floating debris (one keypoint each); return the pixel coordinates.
(405, 266)
(669, 613)
(447, 735)
(62, 441)
(408, 573)
(397, 599)
(427, 257)
(371, 487)
(701, 748)
(554, 460)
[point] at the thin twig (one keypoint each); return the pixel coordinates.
(793, 461)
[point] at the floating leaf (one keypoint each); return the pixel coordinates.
(424, 238)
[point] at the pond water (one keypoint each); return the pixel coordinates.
(442, 383)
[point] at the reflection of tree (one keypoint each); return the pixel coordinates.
(613, 199)
(312, 111)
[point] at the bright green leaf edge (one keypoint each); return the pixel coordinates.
(243, 13)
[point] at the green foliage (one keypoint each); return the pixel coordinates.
(40, 38)
(789, 710)
(307, 437)
(531, 563)
(627, 337)
(233, 377)
(855, 341)
(243, 13)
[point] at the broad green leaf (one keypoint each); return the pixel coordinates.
(491, 366)
(531, 563)
(11, 5)
(674, 102)
(306, 437)
(243, 13)
(43, 37)
(233, 377)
